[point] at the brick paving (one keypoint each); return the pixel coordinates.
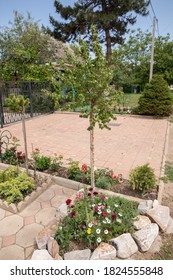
(18, 231)
(132, 140)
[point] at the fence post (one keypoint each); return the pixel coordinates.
(1, 110)
(30, 98)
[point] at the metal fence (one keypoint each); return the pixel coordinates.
(40, 101)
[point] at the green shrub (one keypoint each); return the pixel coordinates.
(74, 172)
(15, 185)
(43, 163)
(103, 183)
(156, 99)
(142, 178)
(169, 171)
(95, 218)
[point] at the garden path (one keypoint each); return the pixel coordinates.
(132, 140)
(18, 231)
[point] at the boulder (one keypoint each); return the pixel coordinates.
(52, 246)
(61, 211)
(125, 245)
(41, 255)
(58, 257)
(144, 206)
(42, 238)
(78, 255)
(146, 236)
(141, 221)
(170, 226)
(104, 251)
(160, 215)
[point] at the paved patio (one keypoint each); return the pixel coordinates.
(132, 141)
(18, 231)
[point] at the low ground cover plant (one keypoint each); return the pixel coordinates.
(93, 218)
(15, 184)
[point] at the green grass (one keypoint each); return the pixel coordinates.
(130, 100)
(169, 171)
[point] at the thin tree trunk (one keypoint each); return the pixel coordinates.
(92, 148)
(25, 141)
(107, 33)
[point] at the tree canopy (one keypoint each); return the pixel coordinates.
(131, 60)
(109, 16)
(25, 51)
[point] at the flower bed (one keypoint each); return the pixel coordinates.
(93, 218)
(17, 189)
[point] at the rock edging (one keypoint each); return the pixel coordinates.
(121, 247)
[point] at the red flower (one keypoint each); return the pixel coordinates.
(90, 189)
(96, 208)
(104, 214)
(113, 217)
(89, 194)
(72, 206)
(73, 213)
(84, 167)
(68, 201)
(115, 177)
(111, 174)
(95, 193)
(109, 229)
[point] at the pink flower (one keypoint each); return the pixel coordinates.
(103, 197)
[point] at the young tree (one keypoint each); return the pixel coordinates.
(109, 16)
(25, 51)
(18, 104)
(90, 76)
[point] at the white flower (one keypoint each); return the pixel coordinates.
(60, 228)
(108, 221)
(109, 210)
(99, 212)
(104, 222)
(99, 240)
(93, 205)
(119, 221)
(119, 214)
(98, 230)
(99, 204)
(95, 168)
(116, 205)
(106, 231)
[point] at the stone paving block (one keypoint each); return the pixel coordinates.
(11, 225)
(8, 240)
(45, 215)
(26, 236)
(58, 200)
(12, 252)
(45, 204)
(0, 242)
(28, 252)
(46, 195)
(31, 209)
(29, 220)
(2, 214)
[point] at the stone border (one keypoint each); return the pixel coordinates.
(162, 170)
(15, 208)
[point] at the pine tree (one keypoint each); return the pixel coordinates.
(109, 16)
(156, 99)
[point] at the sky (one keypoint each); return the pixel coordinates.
(41, 9)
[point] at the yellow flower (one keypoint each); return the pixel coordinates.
(89, 230)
